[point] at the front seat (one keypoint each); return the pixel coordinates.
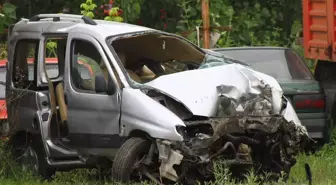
(131, 73)
(146, 74)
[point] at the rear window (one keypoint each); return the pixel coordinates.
(282, 64)
(2, 79)
(52, 70)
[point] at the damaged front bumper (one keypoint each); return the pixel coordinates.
(269, 142)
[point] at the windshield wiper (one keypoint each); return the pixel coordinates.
(236, 61)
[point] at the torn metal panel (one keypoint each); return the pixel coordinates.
(169, 158)
(246, 90)
(232, 140)
(197, 88)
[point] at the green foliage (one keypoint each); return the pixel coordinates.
(253, 22)
(51, 49)
(256, 22)
(114, 15)
(7, 15)
(132, 9)
(87, 8)
(189, 19)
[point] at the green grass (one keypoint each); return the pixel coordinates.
(323, 166)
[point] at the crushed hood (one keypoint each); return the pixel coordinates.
(200, 90)
(197, 89)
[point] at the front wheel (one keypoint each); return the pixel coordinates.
(128, 157)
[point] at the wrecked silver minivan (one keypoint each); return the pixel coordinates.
(148, 104)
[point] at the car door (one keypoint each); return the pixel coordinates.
(22, 104)
(93, 118)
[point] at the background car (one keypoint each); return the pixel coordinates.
(298, 83)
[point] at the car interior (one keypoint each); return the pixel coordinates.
(161, 55)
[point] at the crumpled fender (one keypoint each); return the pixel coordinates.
(140, 112)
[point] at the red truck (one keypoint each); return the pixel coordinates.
(319, 41)
(52, 70)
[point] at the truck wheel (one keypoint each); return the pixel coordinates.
(132, 151)
(33, 158)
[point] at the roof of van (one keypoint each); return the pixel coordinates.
(67, 23)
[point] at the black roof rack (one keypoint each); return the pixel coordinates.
(58, 17)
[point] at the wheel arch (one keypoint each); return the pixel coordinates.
(20, 138)
(139, 133)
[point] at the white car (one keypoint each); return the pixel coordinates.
(148, 111)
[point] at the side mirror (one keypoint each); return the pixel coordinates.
(100, 84)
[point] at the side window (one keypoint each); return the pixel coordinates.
(52, 60)
(26, 54)
(86, 64)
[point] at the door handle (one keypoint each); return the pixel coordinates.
(44, 103)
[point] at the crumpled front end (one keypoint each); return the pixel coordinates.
(258, 129)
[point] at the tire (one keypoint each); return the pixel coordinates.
(32, 157)
(127, 156)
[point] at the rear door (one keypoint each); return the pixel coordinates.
(21, 95)
(93, 118)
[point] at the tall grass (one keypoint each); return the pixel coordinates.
(322, 163)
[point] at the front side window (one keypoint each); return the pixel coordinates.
(84, 71)
(26, 54)
(86, 64)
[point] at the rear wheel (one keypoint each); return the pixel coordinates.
(31, 157)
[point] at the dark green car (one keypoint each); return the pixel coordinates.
(298, 84)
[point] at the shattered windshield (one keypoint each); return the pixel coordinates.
(213, 61)
(158, 54)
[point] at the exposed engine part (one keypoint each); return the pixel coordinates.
(149, 158)
(228, 144)
(169, 158)
(269, 142)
